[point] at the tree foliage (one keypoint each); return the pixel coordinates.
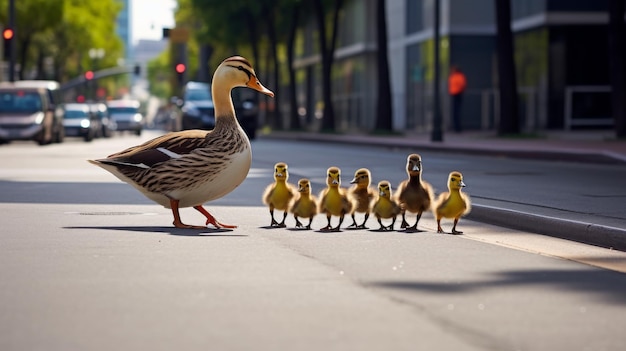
(63, 30)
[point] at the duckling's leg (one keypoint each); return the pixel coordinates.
(298, 223)
(282, 223)
(404, 222)
(211, 220)
(393, 222)
(353, 225)
(310, 221)
(439, 229)
(362, 225)
(177, 222)
(454, 231)
(338, 227)
(327, 227)
(274, 223)
(414, 227)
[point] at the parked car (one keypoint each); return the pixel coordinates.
(198, 111)
(126, 115)
(28, 112)
(80, 121)
(107, 124)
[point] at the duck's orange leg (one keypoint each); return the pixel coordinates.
(177, 222)
(211, 220)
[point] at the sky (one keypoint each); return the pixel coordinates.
(150, 16)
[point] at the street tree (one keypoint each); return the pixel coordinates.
(507, 82)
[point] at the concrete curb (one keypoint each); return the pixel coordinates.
(588, 233)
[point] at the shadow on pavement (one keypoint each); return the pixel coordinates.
(208, 232)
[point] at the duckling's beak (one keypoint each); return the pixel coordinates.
(462, 184)
(353, 181)
(254, 83)
(335, 181)
(280, 175)
(300, 189)
(416, 168)
(381, 193)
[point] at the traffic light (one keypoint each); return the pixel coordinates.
(180, 73)
(7, 36)
(137, 70)
(89, 75)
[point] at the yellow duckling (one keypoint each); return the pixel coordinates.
(385, 207)
(362, 195)
(191, 167)
(278, 195)
(452, 204)
(334, 200)
(305, 205)
(414, 195)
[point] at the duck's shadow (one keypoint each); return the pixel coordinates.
(208, 232)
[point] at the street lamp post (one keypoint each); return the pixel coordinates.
(95, 54)
(437, 133)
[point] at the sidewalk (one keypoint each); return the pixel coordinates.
(594, 146)
(597, 147)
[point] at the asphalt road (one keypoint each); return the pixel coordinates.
(87, 263)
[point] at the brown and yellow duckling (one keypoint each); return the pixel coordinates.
(452, 204)
(191, 167)
(385, 207)
(278, 195)
(414, 195)
(305, 204)
(362, 195)
(334, 199)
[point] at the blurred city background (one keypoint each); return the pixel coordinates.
(349, 66)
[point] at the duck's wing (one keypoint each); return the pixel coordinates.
(468, 202)
(161, 149)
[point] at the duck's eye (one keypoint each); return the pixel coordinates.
(245, 70)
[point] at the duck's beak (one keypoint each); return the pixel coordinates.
(462, 184)
(254, 83)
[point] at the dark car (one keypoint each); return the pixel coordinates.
(28, 112)
(80, 121)
(198, 110)
(126, 115)
(107, 124)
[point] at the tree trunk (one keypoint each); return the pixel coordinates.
(273, 41)
(294, 119)
(384, 110)
(507, 82)
(327, 52)
(617, 56)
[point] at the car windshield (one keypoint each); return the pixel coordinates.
(75, 114)
(197, 95)
(20, 101)
(118, 110)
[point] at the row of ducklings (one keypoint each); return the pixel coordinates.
(413, 195)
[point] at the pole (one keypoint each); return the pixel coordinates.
(12, 44)
(437, 133)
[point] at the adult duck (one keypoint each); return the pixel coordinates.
(191, 167)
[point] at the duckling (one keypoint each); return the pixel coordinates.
(385, 207)
(362, 195)
(414, 195)
(334, 200)
(452, 204)
(305, 205)
(278, 194)
(191, 167)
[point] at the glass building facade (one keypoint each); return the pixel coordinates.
(561, 55)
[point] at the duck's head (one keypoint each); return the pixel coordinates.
(236, 71)
(361, 178)
(384, 189)
(333, 178)
(304, 186)
(455, 181)
(280, 171)
(414, 165)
